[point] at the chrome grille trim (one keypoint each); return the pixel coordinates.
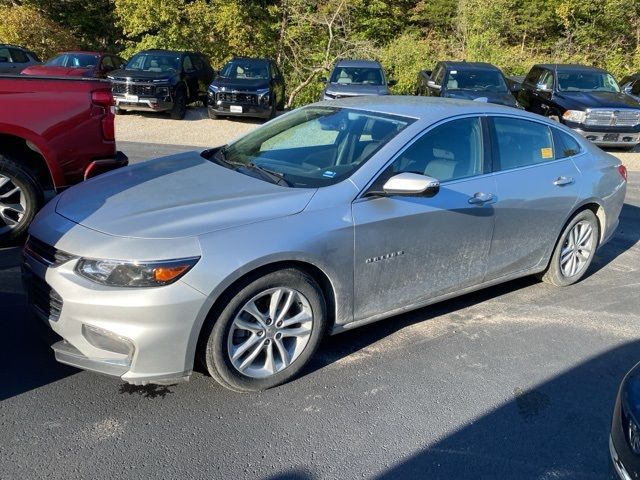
(607, 117)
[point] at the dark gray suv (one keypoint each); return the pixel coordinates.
(351, 78)
(14, 59)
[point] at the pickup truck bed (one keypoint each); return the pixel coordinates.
(54, 132)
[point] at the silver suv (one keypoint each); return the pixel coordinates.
(351, 78)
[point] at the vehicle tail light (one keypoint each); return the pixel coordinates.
(622, 170)
(104, 100)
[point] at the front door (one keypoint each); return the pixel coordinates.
(409, 249)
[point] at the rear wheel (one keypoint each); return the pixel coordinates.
(574, 251)
(266, 333)
(20, 198)
(179, 109)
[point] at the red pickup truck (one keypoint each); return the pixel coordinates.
(54, 132)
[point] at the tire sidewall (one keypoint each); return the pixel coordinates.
(216, 354)
(554, 273)
(179, 110)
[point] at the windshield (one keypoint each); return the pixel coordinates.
(73, 60)
(155, 62)
(357, 76)
(312, 146)
(484, 80)
(246, 69)
(587, 82)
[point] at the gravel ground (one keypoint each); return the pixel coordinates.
(198, 130)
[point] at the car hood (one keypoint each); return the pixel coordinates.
(58, 71)
(584, 100)
(178, 196)
(240, 84)
(501, 98)
(125, 75)
(350, 90)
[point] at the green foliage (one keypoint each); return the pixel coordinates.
(24, 25)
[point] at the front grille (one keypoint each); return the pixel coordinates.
(46, 254)
(613, 118)
(133, 89)
(43, 298)
(229, 97)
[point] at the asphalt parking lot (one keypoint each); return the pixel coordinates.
(516, 381)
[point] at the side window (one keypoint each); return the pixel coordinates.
(107, 63)
(19, 56)
(635, 88)
(439, 75)
(520, 143)
(33, 57)
(448, 152)
(565, 145)
(198, 63)
(187, 64)
(4, 52)
(533, 76)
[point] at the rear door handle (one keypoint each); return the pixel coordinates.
(481, 198)
(561, 181)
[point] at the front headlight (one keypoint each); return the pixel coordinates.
(575, 116)
(264, 94)
(117, 273)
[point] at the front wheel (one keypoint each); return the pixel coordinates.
(179, 109)
(267, 332)
(574, 251)
(20, 199)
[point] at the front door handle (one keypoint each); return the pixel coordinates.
(481, 198)
(562, 181)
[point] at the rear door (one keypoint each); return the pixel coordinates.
(537, 187)
(527, 96)
(409, 249)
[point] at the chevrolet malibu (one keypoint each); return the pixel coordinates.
(327, 218)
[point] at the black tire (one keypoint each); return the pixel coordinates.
(554, 274)
(212, 115)
(179, 109)
(214, 350)
(30, 194)
(274, 110)
(119, 111)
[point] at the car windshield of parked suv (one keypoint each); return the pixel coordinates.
(246, 69)
(73, 60)
(357, 76)
(312, 146)
(155, 62)
(587, 82)
(483, 80)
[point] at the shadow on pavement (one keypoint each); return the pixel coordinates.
(559, 429)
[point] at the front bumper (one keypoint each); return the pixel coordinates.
(143, 104)
(248, 110)
(157, 323)
(611, 139)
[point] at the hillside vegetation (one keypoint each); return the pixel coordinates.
(306, 37)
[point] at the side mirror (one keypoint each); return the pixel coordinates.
(323, 79)
(433, 84)
(4, 60)
(626, 89)
(392, 82)
(411, 184)
(542, 87)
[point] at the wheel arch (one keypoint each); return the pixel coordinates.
(29, 150)
(318, 274)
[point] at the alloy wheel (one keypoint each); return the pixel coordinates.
(577, 249)
(270, 332)
(13, 204)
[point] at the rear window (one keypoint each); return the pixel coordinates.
(565, 145)
(521, 143)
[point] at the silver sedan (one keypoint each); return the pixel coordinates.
(330, 217)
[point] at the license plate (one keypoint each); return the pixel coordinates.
(611, 137)
(130, 98)
(235, 109)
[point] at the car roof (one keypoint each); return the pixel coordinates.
(254, 59)
(358, 63)
(568, 67)
(85, 52)
(429, 109)
(470, 65)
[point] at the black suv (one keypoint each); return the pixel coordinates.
(161, 81)
(466, 80)
(14, 59)
(586, 99)
(251, 87)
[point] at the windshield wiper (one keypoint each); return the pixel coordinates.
(275, 177)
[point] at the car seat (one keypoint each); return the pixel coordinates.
(344, 77)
